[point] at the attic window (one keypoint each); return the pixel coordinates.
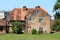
(37, 11)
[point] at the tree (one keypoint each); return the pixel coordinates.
(56, 9)
(17, 27)
(57, 16)
(56, 25)
(57, 5)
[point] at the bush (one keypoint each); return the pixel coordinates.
(14, 29)
(34, 31)
(17, 27)
(19, 31)
(56, 26)
(40, 32)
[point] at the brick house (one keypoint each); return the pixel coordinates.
(31, 18)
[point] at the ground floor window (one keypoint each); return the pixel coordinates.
(1, 28)
(29, 27)
(41, 28)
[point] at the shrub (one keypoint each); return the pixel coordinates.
(19, 31)
(17, 27)
(40, 32)
(14, 29)
(34, 31)
(56, 26)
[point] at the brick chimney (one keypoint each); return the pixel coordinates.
(37, 7)
(25, 8)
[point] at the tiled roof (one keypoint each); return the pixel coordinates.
(21, 13)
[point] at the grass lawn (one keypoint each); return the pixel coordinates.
(54, 36)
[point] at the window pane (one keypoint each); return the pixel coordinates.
(40, 19)
(38, 11)
(41, 28)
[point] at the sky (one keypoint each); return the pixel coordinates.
(11, 4)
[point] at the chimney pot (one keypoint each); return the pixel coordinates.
(37, 7)
(24, 6)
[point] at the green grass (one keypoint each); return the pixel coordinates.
(54, 36)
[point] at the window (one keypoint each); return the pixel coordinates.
(29, 27)
(37, 11)
(41, 28)
(31, 19)
(40, 19)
